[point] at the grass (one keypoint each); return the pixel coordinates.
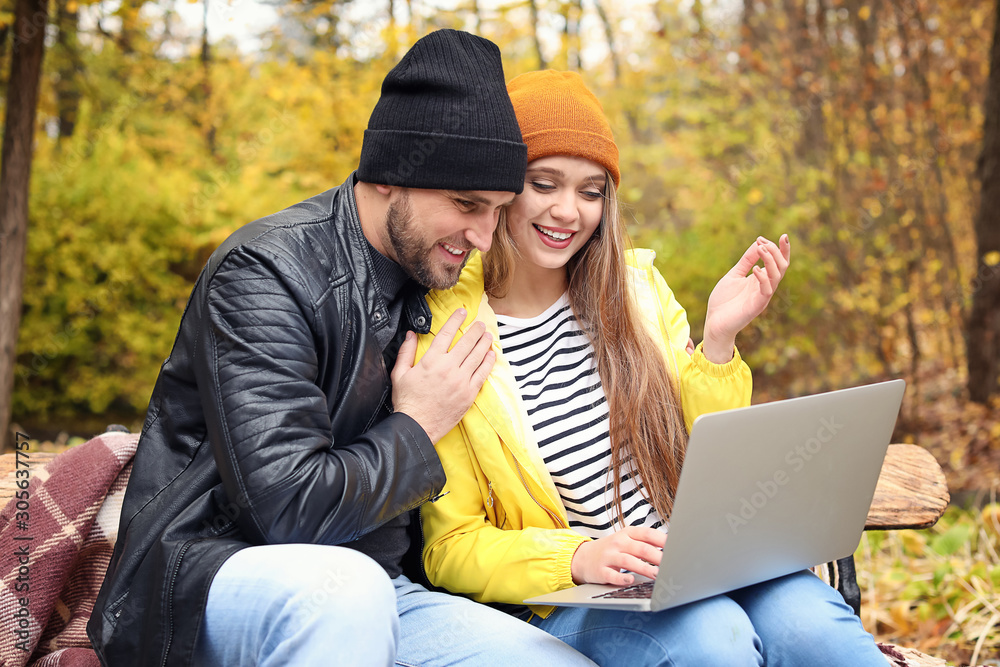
(936, 590)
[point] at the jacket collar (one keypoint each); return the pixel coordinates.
(500, 390)
(414, 307)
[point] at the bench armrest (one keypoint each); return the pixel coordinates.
(912, 491)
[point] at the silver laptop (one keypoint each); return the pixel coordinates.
(765, 491)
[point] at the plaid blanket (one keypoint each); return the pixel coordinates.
(54, 551)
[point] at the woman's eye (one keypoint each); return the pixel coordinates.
(545, 187)
(589, 194)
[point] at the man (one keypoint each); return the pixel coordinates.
(274, 432)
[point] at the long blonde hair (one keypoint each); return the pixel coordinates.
(646, 424)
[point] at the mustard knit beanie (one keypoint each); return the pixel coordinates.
(558, 115)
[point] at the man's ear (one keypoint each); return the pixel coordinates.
(384, 190)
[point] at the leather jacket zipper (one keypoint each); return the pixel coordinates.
(170, 597)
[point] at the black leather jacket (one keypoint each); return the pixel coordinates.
(270, 422)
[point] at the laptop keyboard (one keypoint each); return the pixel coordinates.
(635, 591)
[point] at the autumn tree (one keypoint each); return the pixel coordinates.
(30, 18)
(984, 319)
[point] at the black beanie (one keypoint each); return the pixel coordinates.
(444, 120)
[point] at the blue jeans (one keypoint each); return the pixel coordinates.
(307, 604)
(786, 622)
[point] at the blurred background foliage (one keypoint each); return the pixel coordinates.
(852, 125)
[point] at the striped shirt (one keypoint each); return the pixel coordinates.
(553, 363)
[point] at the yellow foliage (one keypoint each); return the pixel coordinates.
(901, 617)
(990, 516)
(873, 205)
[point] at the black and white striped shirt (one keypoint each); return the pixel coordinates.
(553, 363)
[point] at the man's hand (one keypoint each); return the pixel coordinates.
(634, 548)
(439, 390)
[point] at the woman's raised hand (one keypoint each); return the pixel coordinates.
(743, 294)
(634, 548)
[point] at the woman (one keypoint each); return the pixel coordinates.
(564, 470)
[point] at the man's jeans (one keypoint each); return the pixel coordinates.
(787, 622)
(307, 604)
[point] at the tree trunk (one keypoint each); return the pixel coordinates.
(984, 321)
(68, 88)
(477, 17)
(206, 66)
(411, 17)
(4, 31)
(698, 13)
(918, 68)
(30, 17)
(542, 64)
(392, 43)
(609, 34)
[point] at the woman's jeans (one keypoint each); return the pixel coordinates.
(307, 604)
(792, 621)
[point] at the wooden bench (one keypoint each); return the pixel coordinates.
(912, 493)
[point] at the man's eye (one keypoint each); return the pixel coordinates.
(465, 203)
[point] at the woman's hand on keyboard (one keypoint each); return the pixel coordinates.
(633, 548)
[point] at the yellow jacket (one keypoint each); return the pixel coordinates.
(500, 534)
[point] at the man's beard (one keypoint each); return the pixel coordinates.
(412, 250)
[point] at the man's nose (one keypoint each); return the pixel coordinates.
(480, 234)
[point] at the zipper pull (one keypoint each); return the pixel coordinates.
(439, 496)
(489, 496)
